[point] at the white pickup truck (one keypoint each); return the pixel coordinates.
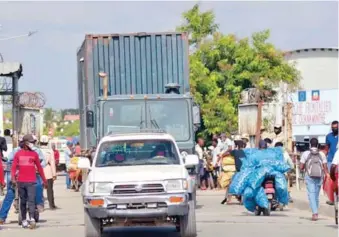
(136, 180)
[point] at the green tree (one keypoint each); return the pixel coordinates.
(69, 130)
(48, 118)
(222, 66)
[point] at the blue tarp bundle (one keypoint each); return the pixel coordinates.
(257, 165)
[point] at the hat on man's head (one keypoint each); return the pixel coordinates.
(223, 135)
(68, 143)
(277, 125)
(28, 138)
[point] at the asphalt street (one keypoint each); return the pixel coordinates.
(213, 219)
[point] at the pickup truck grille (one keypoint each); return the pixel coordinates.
(138, 189)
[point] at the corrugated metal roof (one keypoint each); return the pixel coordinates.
(8, 68)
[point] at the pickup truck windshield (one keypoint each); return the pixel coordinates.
(130, 115)
(137, 152)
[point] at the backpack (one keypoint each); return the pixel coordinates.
(314, 165)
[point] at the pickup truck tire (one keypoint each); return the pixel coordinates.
(93, 226)
(188, 226)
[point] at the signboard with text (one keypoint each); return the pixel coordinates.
(316, 109)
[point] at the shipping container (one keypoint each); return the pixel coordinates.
(140, 63)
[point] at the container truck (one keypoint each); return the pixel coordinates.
(128, 82)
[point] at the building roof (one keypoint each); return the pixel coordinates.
(287, 53)
(71, 117)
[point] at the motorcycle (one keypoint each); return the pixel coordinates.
(269, 187)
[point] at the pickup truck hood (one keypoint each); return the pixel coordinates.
(137, 173)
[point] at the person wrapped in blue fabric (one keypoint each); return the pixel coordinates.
(10, 195)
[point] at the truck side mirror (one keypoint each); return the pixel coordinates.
(89, 119)
(196, 116)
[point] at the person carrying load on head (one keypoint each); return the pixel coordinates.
(23, 173)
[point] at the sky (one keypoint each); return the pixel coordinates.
(49, 57)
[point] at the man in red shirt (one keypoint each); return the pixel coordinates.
(56, 155)
(23, 173)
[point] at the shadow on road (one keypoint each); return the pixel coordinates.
(141, 232)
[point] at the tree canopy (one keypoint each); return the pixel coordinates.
(222, 66)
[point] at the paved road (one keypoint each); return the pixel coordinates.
(213, 219)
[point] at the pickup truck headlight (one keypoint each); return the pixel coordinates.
(102, 187)
(176, 185)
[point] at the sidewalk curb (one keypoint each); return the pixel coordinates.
(324, 209)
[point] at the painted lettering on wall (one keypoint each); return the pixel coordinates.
(311, 113)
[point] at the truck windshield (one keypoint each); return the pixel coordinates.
(129, 115)
(137, 152)
(172, 116)
(125, 115)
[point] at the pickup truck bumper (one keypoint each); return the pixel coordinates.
(137, 206)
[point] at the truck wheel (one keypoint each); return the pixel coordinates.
(188, 226)
(93, 227)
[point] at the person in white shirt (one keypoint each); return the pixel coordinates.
(202, 163)
(315, 164)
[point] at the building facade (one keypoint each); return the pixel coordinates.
(315, 104)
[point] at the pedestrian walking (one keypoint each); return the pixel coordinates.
(56, 155)
(332, 142)
(10, 194)
(23, 173)
(238, 154)
(202, 163)
(288, 160)
(314, 163)
(49, 170)
(3, 146)
(68, 155)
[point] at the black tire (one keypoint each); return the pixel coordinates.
(257, 211)
(273, 208)
(187, 223)
(93, 226)
(267, 211)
